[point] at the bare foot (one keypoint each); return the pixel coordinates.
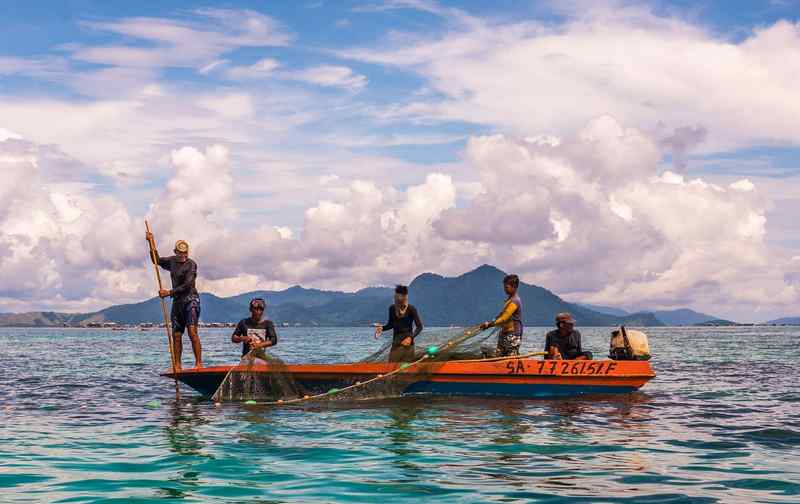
(198, 365)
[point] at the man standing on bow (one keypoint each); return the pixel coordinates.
(185, 300)
(509, 320)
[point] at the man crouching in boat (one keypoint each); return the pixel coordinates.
(509, 320)
(403, 317)
(255, 333)
(565, 342)
(185, 299)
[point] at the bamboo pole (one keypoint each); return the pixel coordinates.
(154, 258)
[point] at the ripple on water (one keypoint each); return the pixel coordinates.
(709, 428)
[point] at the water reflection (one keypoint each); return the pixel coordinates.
(180, 431)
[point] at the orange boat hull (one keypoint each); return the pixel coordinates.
(513, 377)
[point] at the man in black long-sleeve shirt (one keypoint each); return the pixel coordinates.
(185, 300)
(403, 317)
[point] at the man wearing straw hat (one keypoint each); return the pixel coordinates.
(185, 300)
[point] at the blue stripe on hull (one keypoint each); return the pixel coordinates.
(535, 390)
(207, 385)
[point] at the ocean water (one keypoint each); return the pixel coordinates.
(84, 417)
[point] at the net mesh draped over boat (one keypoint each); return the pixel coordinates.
(249, 381)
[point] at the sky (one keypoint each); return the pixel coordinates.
(629, 154)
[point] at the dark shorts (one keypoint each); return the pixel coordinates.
(400, 353)
(185, 314)
(508, 344)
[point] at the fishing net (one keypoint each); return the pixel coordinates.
(258, 376)
(265, 378)
(452, 344)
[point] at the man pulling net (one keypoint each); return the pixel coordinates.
(248, 381)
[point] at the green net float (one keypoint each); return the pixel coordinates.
(333, 391)
(250, 402)
(432, 350)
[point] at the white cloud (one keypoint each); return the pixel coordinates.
(258, 70)
(331, 76)
(590, 218)
(58, 239)
(681, 83)
(743, 185)
(210, 67)
(198, 41)
(232, 105)
(558, 213)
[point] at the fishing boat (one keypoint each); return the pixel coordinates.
(506, 377)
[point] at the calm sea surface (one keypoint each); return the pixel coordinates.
(78, 423)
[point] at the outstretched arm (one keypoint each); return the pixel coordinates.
(506, 314)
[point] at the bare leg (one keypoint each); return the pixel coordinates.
(196, 347)
(177, 348)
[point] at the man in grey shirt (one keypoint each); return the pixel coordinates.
(565, 342)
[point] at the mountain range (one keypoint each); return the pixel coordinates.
(463, 300)
(785, 321)
(672, 318)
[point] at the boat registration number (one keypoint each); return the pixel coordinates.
(554, 367)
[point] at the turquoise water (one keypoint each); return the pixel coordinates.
(720, 423)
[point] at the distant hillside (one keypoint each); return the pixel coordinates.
(679, 317)
(717, 323)
(785, 321)
(39, 319)
(464, 300)
(608, 310)
(683, 317)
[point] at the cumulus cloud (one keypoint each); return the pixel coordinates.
(592, 217)
(59, 238)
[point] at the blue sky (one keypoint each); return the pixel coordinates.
(363, 143)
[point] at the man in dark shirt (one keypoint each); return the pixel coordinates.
(255, 333)
(405, 324)
(565, 342)
(185, 300)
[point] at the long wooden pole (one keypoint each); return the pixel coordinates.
(154, 258)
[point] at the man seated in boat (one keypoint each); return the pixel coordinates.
(185, 299)
(509, 321)
(565, 342)
(405, 324)
(255, 333)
